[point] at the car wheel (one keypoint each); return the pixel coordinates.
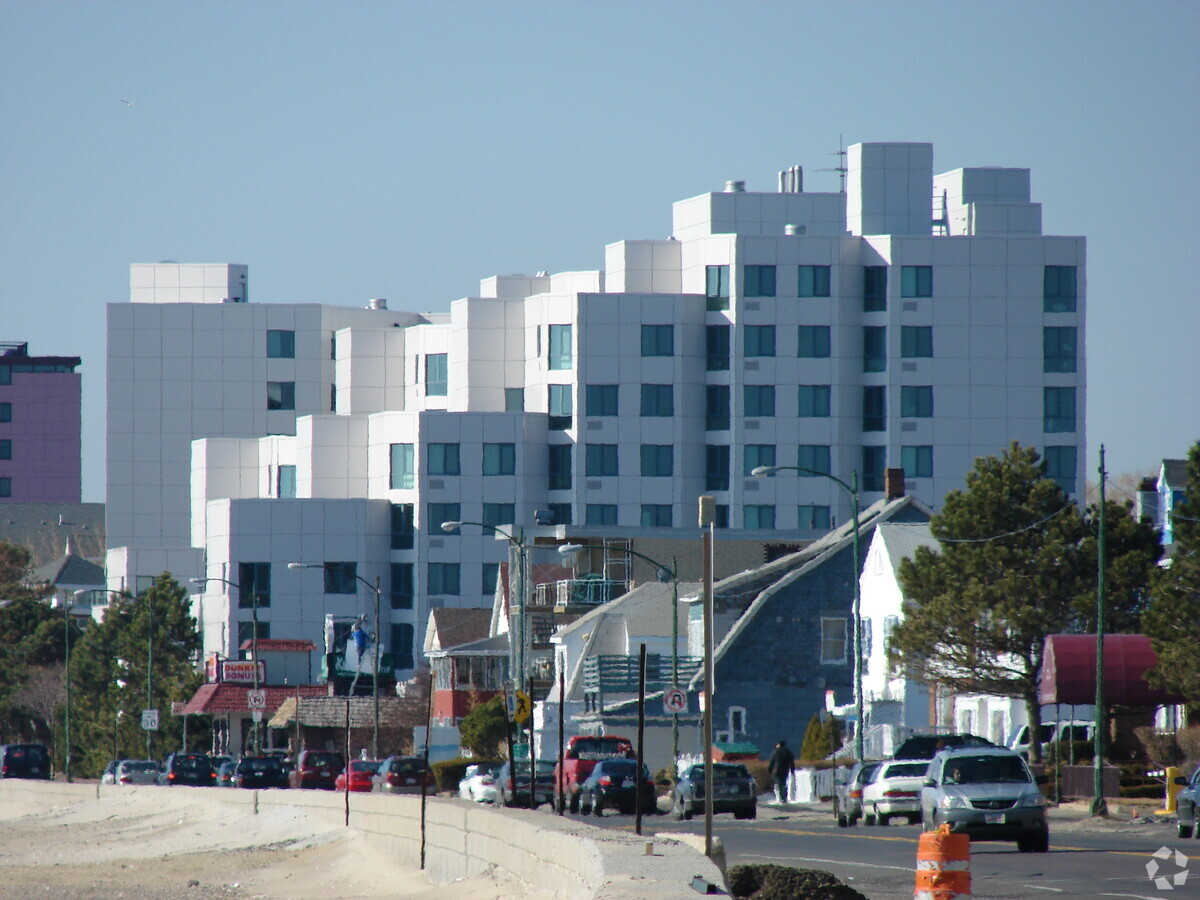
(914, 819)
(852, 821)
(573, 803)
(1185, 831)
(868, 820)
(597, 808)
(688, 812)
(880, 818)
(842, 821)
(676, 808)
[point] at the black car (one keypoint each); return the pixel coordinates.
(515, 791)
(24, 761)
(613, 783)
(260, 772)
(734, 790)
(926, 746)
(193, 769)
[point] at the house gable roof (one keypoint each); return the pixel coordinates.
(1174, 473)
(451, 627)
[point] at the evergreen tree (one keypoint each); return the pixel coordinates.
(31, 634)
(1017, 563)
(1173, 619)
(484, 729)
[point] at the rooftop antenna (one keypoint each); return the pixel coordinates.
(840, 153)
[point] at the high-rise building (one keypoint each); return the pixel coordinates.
(913, 321)
(39, 426)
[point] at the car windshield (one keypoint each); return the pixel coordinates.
(140, 767)
(866, 773)
(192, 763)
(364, 765)
(720, 770)
(899, 770)
(599, 748)
(407, 767)
(318, 760)
(985, 770)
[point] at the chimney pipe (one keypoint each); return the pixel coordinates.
(893, 483)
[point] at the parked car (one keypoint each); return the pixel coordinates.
(357, 776)
(193, 769)
(24, 761)
(1187, 805)
(581, 754)
(135, 771)
(1052, 732)
(734, 790)
(108, 776)
(404, 775)
(225, 773)
(613, 783)
(848, 791)
(926, 746)
(316, 769)
(479, 783)
(513, 783)
(894, 790)
(988, 794)
(259, 772)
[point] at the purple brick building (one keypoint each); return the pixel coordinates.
(39, 427)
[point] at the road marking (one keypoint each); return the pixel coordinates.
(835, 862)
(1038, 887)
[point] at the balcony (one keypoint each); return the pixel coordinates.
(619, 674)
(586, 590)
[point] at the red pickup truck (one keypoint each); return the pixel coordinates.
(581, 756)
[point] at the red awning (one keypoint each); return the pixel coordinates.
(228, 697)
(1069, 671)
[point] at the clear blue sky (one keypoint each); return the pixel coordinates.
(353, 150)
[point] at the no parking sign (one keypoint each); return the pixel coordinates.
(674, 701)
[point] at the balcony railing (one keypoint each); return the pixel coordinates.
(587, 590)
(619, 674)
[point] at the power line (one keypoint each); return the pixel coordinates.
(997, 537)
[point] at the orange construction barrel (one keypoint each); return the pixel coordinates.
(943, 865)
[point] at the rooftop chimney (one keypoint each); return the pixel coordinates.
(893, 483)
(377, 303)
(735, 187)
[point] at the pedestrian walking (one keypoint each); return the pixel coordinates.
(781, 765)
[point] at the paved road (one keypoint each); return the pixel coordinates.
(1085, 860)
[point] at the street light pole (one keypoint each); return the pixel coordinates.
(852, 490)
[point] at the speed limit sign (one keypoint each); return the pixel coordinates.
(674, 701)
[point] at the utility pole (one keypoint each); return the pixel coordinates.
(1099, 806)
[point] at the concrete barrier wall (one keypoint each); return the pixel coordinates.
(551, 853)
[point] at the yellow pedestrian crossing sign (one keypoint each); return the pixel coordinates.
(523, 708)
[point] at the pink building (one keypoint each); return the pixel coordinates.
(39, 427)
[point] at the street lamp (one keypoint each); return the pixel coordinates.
(375, 588)
(253, 640)
(664, 574)
(852, 490)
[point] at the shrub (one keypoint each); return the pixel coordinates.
(451, 771)
(821, 738)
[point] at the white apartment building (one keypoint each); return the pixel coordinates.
(912, 321)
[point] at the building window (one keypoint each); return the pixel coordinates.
(833, 641)
(559, 406)
(813, 342)
(874, 408)
(759, 340)
(489, 578)
(1058, 289)
(5, 486)
(560, 347)
(874, 348)
(721, 515)
(285, 482)
(248, 632)
(716, 342)
(658, 460)
(658, 400)
(815, 457)
(873, 461)
(759, 400)
(5, 374)
(495, 514)
(281, 395)
(341, 577)
(874, 288)
(916, 281)
(442, 512)
(402, 645)
(1058, 414)
(403, 585)
(716, 287)
(916, 401)
(281, 345)
(6, 449)
(658, 340)
(443, 459)
(561, 513)
(602, 399)
(656, 515)
(254, 578)
(917, 461)
(443, 578)
(5, 412)
(1061, 465)
(559, 467)
(436, 375)
(600, 460)
(814, 401)
(758, 281)
(1059, 349)
(737, 719)
(755, 455)
(716, 467)
(514, 399)
(814, 281)
(403, 467)
(499, 459)
(816, 517)
(716, 407)
(758, 516)
(916, 341)
(403, 526)
(333, 398)
(601, 514)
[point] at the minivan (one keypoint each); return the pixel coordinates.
(24, 761)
